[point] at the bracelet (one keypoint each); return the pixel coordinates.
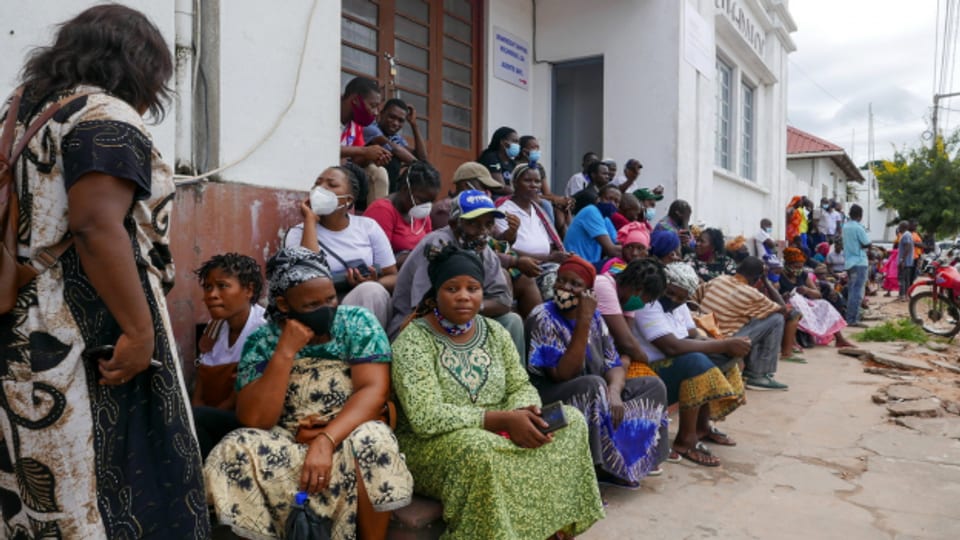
(329, 437)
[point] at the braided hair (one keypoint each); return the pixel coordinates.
(647, 275)
(245, 269)
(421, 174)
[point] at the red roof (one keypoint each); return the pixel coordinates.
(801, 142)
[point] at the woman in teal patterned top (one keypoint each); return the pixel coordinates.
(470, 421)
(311, 385)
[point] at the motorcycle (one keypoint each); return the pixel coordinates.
(935, 299)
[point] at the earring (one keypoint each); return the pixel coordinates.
(481, 306)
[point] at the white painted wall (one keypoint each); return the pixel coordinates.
(259, 53)
(32, 23)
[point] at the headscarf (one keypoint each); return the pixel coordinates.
(736, 244)
(794, 201)
(520, 169)
(290, 267)
(683, 275)
(634, 233)
(792, 255)
(450, 262)
(823, 248)
(663, 241)
(580, 267)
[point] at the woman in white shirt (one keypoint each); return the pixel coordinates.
(232, 284)
(357, 250)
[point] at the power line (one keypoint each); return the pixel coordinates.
(815, 83)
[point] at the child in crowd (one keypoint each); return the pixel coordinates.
(232, 284)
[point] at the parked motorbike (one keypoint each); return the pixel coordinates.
(935, 299)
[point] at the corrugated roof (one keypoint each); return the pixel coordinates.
(803, 145)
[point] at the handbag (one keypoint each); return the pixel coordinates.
(708, 323)
(304, 524)
(340, 282)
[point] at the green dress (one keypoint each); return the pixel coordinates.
(252, 475)
(490, 487)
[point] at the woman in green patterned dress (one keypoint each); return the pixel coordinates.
(470, 421)
(311, 385)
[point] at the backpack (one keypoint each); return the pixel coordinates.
(14, 275)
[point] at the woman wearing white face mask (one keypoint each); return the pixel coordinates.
(357, 250)
(405, 214)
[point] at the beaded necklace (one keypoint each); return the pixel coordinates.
(451, 328)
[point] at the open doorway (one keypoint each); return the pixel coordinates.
(577, 117)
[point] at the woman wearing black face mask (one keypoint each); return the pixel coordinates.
(312, 384)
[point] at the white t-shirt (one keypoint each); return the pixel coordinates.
(222, 352)
(652, 323)
(618, 180)
(362, 239)
(532, 236)
(835, 219)
(575, 184)
(758, 249)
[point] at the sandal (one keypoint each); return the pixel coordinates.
(794, 359)
(718, 437)
(797, 349)
(611, 480)
(700, 455)
(674, 457)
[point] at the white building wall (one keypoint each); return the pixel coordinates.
(259, 51)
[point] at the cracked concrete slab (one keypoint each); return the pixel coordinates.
(912, 446)
(941, 427)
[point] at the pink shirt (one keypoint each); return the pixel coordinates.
(605, 286)
(402, 236)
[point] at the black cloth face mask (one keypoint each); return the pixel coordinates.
(667, 304)
(319, 320)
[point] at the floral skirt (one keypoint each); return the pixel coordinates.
(252, 476)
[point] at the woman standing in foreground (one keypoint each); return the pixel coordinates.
(101, 448)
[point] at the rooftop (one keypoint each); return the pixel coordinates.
(803, 145)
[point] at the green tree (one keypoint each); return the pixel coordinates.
(924, 184)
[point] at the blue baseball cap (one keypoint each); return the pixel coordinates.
(472, 204)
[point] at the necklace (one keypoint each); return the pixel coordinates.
(452, 329)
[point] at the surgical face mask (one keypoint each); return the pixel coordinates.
(826, 206)
(649, 214)
(634, 303)
(360, 113)
(319, 320)
(768, 230)
(668, 304)
(418, 211)
(565, 300)
(534, 156)
(774, 278)
(323, 202)
(607, 209)
(513, 150)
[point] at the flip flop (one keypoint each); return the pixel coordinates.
(794, 359)
(674, 457)
(718, 437)
(700, 455)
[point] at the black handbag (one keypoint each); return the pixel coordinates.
(304, 524)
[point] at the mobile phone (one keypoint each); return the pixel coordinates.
(553, 415)
(360, 266)
(103, 352)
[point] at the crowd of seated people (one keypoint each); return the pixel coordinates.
(479, 313)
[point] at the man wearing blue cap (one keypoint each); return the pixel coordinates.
(472, 216)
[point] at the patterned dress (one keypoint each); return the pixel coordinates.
(490, 487)
(77, 459)
(629, 451)
(722, 265)
(253, 474)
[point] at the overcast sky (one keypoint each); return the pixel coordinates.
(851, 53)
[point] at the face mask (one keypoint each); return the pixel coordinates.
(650, 214)
(360, 113)
(418, 211)
(667, 304)
(534, 156)
(768, 230)
(565, 300)
(774, 278)
(513, 150)
(319, 320)
(634, 303)
(476, 244)
(607, 209)
(323, 201)
(826, 206)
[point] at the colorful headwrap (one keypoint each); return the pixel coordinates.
(290, 267)
(792, 255)
(736, 244)
(580, 267)
(823, 248)
(663, 241)
(684, 276)
(634, 233)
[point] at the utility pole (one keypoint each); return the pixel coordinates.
(936, 106)
(869, 163)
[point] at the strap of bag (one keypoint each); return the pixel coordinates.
(331, 252)
(6, 139)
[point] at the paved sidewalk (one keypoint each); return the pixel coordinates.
(818, 461)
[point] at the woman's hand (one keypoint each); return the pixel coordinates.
(524, 425)
(588, 304)
(315, 475)
(354, 277)
(294, 336)
(309, 427)
(209, 337)
(306, 210)
(130, 357)
(528, 266)
(558, 256)
(617, 410)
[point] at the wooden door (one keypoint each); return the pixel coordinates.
(429, 54)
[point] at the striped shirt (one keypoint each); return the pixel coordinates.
(734, 303)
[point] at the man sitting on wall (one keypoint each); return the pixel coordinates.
(385, 132)
(358, 108)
